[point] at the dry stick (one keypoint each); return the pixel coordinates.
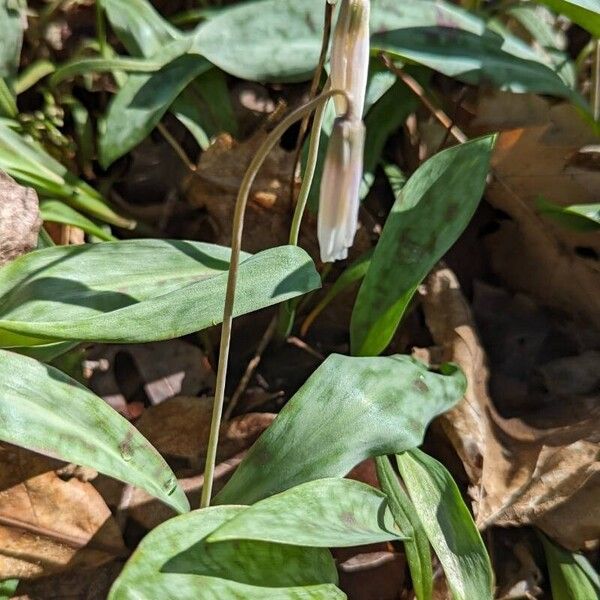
(596, 82)
(417, 89)
(175, 145)
(313, 91)
(236, 243)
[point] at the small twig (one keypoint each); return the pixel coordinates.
(251, 367)
(314, 86)
(176, 146)
(457, 105)
(418, 90)
(236, 245)
(596, 82)
(295, 341)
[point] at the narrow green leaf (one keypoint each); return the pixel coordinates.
(204, 107)
(580, 217)
(355, 272)
(174, 561)
(348, 410)
(31, 165)
(416, 547)
(80, 66)
(396, 178)
(322, 513)
(141, 103)
(44, 410)
(32, 74)
(46, 353)
(569, 580)
(138, 290)
(59, 212)
(8, 103)
(583, 12)
(449, 526)
(432, 211)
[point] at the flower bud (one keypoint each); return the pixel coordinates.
(340, 186)
(350, 55)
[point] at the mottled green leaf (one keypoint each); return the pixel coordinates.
(418, 552)
(322, 513)
(432, 211)
(12, 13)
(473, 58)
(570, 580)
(580, 217)
(583, 12)
(449, 526)
(59, 212)
(348, 410)
(138, 290)
(280, 40)
(44, 410)
(174, 561)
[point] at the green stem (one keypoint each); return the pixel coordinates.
(236, 244)
(309, 172)
(101, 29)
(287, 311)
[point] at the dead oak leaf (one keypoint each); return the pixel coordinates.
(48, 524)
(555, 265)
(544, 471)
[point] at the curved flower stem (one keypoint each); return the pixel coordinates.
(236, 243)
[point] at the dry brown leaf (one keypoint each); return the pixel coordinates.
(179, 428)
(555, 265)
(215, 185)
(543, 471)
(48, 524)
(20, 219)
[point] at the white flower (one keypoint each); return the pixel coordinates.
(340, 186)
(350, 55)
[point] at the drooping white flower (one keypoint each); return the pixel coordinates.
(340, 186)
(350, 54)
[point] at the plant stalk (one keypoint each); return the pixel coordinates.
(287, 311)
(236, 244)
